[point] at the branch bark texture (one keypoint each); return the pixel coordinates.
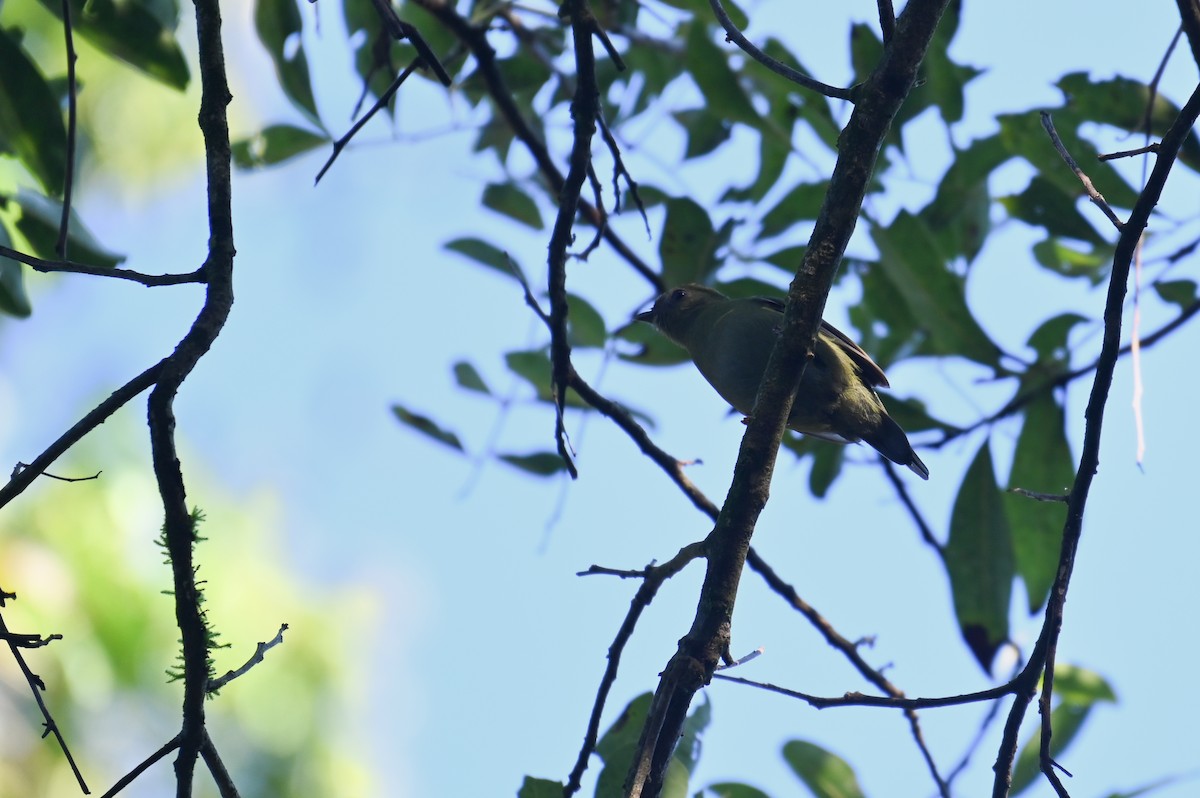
(707, 641)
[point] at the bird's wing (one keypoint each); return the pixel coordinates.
(870, 370)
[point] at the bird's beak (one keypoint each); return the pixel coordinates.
(646, 316)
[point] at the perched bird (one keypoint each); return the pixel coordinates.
(730, 341)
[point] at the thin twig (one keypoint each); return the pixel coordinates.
(149, 280)
(401, 30)
(652, 579)
(381, 103)
(36, 686)
(1112, 156)
(216, 767)
(906, 499)
(260, 652)
(861, 700)
(1093, 194)
(850, 651)
(23, 478)
(734, 35)
(1041, 660)
(142, 767)
(64, 223)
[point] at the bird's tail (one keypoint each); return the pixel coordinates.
(891, 442)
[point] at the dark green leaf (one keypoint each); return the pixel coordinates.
(275, 144)
(979, 559)
(40, 218)
(427, 426)
(482, 252)
(943, 81)
(542, 464)
(651, 348)
(1081, 687)
(585, 325)
(1122, 102)
(1024, 136)
(534, 367)
(912, 416)
(800, 204)
(1042, 464)
(688, 750)
(1066, 721)
(727, 789)
(616, 747)
(31, 125)
(1070, 261)
(689, 244)
(280, 29)
(510, 200)
(825, 773)
(540, 788)
(702, 9)
(131, 32)
(1050, 339)
(708, 65)
(1177, 292)
(13, 299)
(468, 378)
(958, 216)
(787, 258)
(705, 130)
(1043, 203)
(917, 273)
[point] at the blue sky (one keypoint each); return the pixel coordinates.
(489, 649)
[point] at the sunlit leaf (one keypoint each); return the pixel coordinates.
(275, 144)
(131, 32)
(979, 560)
(728, 789)
(823, 772)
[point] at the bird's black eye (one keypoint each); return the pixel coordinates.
(678, 295)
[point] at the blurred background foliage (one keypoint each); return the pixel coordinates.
(85, 565)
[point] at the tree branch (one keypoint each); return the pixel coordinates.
(708, 639)
(1042, 658)
(179, 524)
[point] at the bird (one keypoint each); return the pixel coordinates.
(730, 341)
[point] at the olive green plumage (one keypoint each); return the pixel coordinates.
(730, 341)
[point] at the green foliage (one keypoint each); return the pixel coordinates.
(979, 560)
(77, 556)
(826, 774)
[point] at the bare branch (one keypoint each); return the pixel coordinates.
(1093, 194)
(732, 34)
(149, 280)
(260, 652)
